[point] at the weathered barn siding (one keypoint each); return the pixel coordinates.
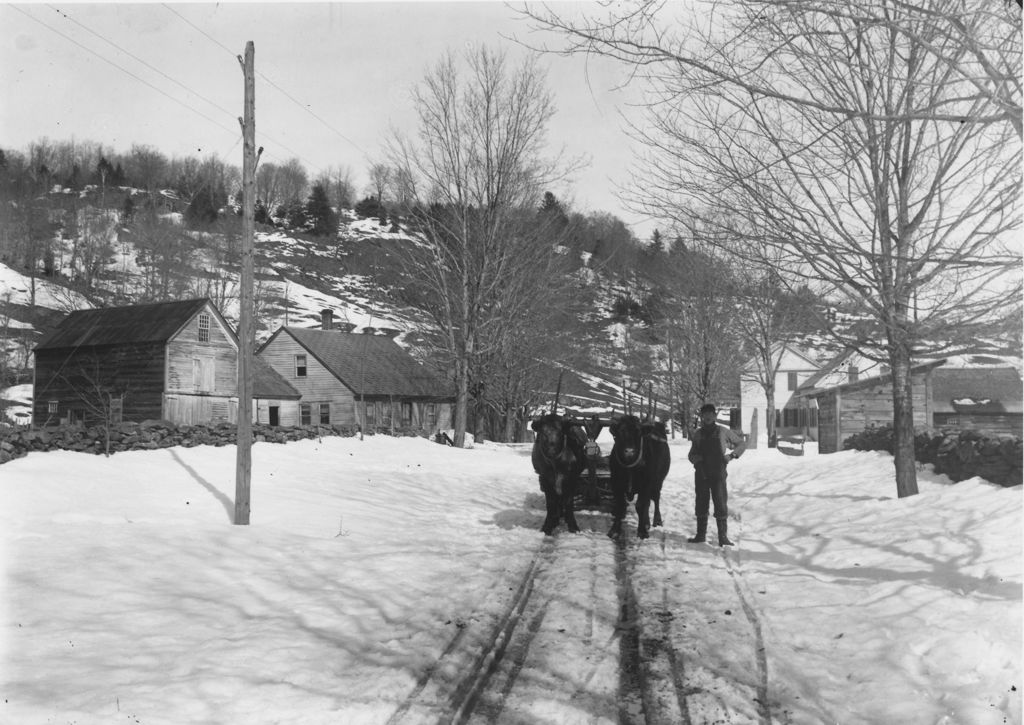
(318, 386)
(383, 413)
(208, 367)
(172, 360)
(202, 375)
(849, 409)
(134, 370)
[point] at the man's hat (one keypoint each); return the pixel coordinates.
(708, 408)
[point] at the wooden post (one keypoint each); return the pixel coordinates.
(243, 466)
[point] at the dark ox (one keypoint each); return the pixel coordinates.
(639, 462)
(558, 458)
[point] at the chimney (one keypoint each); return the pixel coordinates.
(346, 326)
(369, 330)
(326, 319)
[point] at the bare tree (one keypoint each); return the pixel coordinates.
(268, 185)
(164, 253)
(773, 314)
(478, 171)
(380, 179)
(147, 167)
(293, 182)
(876, 149)
(337, 180)
(704, 334)
(100, 388)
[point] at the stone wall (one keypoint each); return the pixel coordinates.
(959, 454)
(17, 442)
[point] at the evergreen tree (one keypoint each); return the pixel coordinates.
(260, 213)
(294, 214)
(203, 209)
(319, 213)
(128, 210)
(552, 215)
(370, 207)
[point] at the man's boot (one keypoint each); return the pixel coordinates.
(723, 532)
(702, 531)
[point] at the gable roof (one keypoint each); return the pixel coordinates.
(156, 322)
(979, 390)
(369, 364)
(782, 349)
(829, 367)
(810, 392)
(268, 383)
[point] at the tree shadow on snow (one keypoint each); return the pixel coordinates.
(531, 516)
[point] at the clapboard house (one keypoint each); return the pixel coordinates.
(176, 361)
(363, 379)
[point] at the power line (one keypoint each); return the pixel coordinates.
(283, 92)
(145, 82)
(140, 60)
(123, 70)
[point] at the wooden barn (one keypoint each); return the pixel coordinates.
(978, 398)
(358, 378)
(849, 408)
(177, 361)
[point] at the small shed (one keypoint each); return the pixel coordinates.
(850, 408)
(978, 398)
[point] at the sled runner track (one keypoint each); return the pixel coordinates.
(632, 710)
(464, 696)
(647, 663)
(760, 654)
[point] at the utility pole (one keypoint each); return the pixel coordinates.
(243, 465)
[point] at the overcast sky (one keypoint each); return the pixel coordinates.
(332, 79)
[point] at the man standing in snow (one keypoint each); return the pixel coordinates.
(709, 454)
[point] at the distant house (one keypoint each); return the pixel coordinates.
(853, 406)
(172, 360)
(980, 398)
(795, 367)
(358, 378)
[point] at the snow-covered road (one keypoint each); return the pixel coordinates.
(395, 580)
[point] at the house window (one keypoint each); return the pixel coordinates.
(300, 366)
(325, 413)
(792, 380)
(52, 405)
(430, 412)
(406, 414)
(385, 414)
(305, 414)
(204, 327)
(370, 410)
